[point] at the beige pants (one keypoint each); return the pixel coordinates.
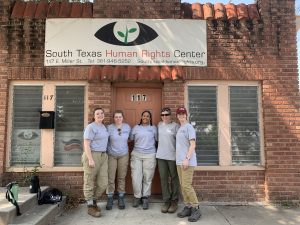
(187, 190)
(142, 172)
(97, 174)
(119, 165)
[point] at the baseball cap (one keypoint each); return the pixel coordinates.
(181, 110)
(166, 109)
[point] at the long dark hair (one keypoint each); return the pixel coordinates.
(141, 121)
(98, 108)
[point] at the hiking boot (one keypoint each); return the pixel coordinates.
(173, 207)
(145, 203)
(165, 207)
(195, 215)
(94, 211)
(110, 203)
(95, 204)
(136, 202)
(121, 202)
(187, 211)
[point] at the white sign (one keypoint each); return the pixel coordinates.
(125, 42)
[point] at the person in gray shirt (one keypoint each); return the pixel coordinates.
(165, 155)
(186, 161)
(143, 161)
(94, 161)
(117, 158)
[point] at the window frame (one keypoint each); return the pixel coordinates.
(224, 126)
(47, 135)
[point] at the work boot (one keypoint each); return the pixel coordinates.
(145, 203)
(94, 211)
(173, 207)
(165, 207)
(121, 202)
(110, 202)
(95, 204)
(187, 211)
(195, 215)
(136, 202)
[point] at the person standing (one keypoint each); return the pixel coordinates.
(143, 160)
(186, 161)
(94, 160)
(117, 158)
(166, 153)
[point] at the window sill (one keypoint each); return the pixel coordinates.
(45, 169)
(228, 168)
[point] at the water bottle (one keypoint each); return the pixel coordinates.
(34, 184)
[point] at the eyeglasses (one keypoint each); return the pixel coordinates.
(167, 114)
(119, 131)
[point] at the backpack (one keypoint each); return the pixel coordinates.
(12, 195)
(50, 196)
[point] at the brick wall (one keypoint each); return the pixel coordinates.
(258, 50)
(136, 9)
(4, 14)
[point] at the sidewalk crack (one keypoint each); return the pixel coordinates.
(223, 216)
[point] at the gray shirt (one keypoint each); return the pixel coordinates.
(167, 140)
(144, 138)
(185, 133)
(98, 135)
(118, 140)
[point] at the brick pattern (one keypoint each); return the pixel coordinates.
(159, 9)
(4, 15)
(254, 50)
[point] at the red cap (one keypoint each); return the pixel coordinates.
(181, 110)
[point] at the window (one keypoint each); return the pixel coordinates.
(26, 136)
(58, 147)
(226, 118)
(245, 144)
(203, 113)
(69, 125)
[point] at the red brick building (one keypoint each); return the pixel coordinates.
(244, 103)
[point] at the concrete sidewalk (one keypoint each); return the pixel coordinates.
(254, 214)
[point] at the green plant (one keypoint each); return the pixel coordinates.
(125, 36)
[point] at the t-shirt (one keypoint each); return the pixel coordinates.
(144, 138)
(98, 135)
(118, 140)
(185, 133)
(167, 140)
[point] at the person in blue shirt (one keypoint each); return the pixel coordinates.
(117, 158)
(143, 159)
(186, 162)
(94, 161)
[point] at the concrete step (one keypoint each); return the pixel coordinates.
(40, 214)
(26, 201)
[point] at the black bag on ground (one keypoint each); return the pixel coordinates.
(50, 196)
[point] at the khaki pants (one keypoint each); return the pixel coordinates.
(119, 164)
(97, 173)
(186, 180)
(142, 172)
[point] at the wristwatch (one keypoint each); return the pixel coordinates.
(188, 158)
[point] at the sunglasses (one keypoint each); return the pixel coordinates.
(167, 114)
(119, 131)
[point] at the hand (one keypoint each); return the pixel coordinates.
(185, 164)
(91, 163)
